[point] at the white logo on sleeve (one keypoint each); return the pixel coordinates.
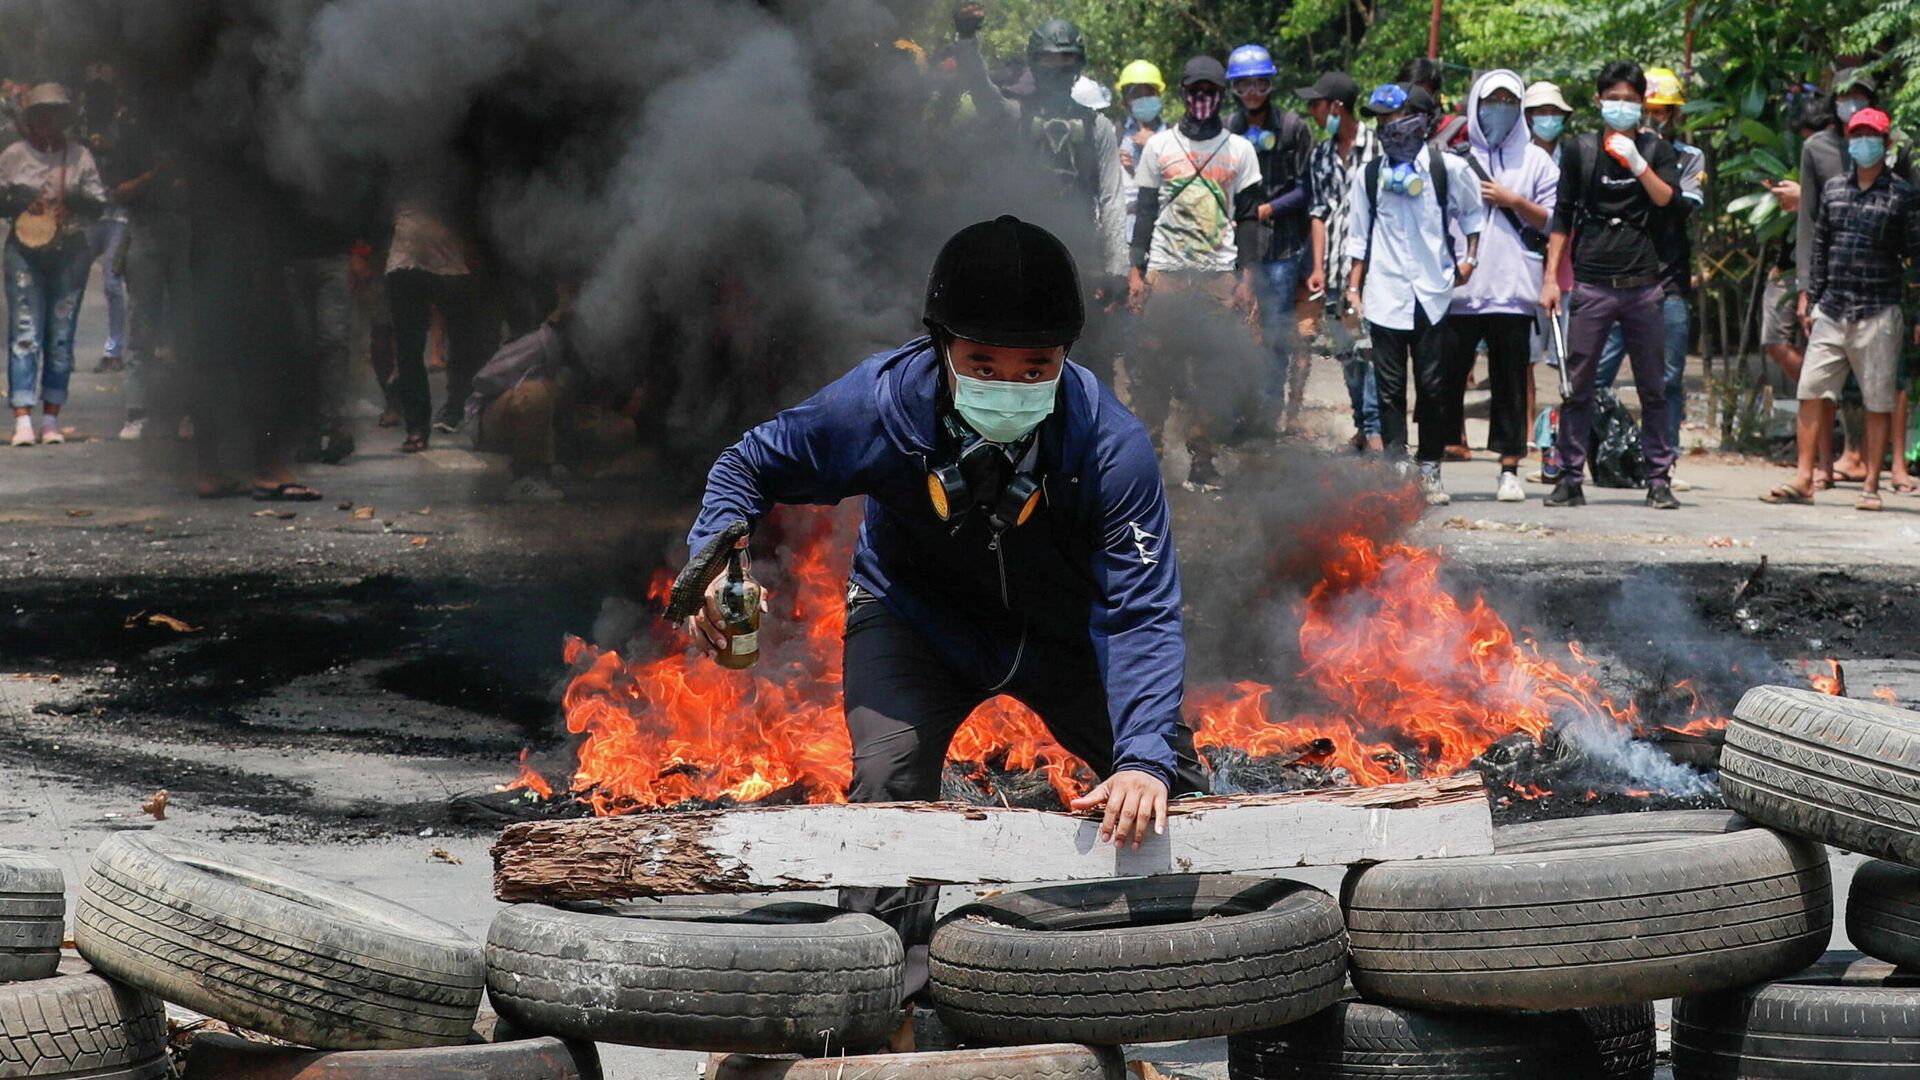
(1148, 556)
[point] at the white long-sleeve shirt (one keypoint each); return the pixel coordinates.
(1411, 262)
(24, 165)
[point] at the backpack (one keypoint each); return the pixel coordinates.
(1066, 144)
(1437, 167)
(1589, 144)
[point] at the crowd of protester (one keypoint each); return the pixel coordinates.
(1410, 237)
(296, 309)
(1398, 231)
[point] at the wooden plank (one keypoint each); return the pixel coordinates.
(765, 849)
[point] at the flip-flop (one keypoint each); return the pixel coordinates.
(1869, 501)
(1905, 487)
(286, 493)
(1787, 494)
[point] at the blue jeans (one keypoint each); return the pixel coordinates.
(1363, 393)
(1676, 328)
(43, 309)
(1276, 283)
(104, 241)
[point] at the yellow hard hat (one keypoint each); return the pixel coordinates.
(1664, 87)
(1142, 73)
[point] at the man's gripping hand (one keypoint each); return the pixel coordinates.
(968, 18)
(1625, 151)
(1133, 800)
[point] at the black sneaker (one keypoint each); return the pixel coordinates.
(450, 419)
(1660, 497)
(1567, 493)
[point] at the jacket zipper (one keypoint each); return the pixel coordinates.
(1020, 651)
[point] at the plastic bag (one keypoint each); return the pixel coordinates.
(1613, 450)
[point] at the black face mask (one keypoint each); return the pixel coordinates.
(1054, 81)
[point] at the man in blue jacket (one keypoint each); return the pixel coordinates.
(1016, 541)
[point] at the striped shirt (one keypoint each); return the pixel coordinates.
(1332, 180)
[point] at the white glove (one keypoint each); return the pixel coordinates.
(1626, 152)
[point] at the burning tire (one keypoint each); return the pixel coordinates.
(1138, 960)
(1883, 913)
(1843, 771)
(1845, 1018)
(1585, 927)
(33, 914)
(275, 950)
(1049, 1062)
(1358, 1041)
(223, 1057)
(747, 976)
(81, 1027)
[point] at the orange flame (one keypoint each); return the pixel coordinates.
(1400, 675)
(1886, 694)
(1830, 683)
(528, 780)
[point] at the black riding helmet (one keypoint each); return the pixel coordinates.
(1057, 36)
(1005, 282)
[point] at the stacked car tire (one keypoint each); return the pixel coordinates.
(1539, 961)
(64, 1020)
(368, 987)
(1846, 773)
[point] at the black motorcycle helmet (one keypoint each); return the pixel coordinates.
(1005, 282)
(1056, 37)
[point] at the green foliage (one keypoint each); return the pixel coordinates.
(1745, 57)
(1893, 25)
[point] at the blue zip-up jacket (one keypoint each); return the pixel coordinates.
(1093, 568)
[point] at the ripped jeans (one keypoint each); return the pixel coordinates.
(43, 309)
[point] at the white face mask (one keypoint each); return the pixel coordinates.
(1001, 412)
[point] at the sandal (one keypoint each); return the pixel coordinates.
(1869, 501)
(285, 493)
(1905, 487)
(414, 444)
(1787, 494)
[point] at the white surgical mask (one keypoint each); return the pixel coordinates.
(1621, 115)
(1001, 412)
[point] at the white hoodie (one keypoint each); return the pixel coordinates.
(1507, 279)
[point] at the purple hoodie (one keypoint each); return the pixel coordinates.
(1507, 281)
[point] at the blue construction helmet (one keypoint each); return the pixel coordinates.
(1248, 62)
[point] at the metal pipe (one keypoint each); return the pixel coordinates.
(1433, 33)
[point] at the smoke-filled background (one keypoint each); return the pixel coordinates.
(747, 195)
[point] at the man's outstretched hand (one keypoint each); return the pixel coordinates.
(968, 18)
(1134, 801)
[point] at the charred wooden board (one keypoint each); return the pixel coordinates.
(766, 849)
